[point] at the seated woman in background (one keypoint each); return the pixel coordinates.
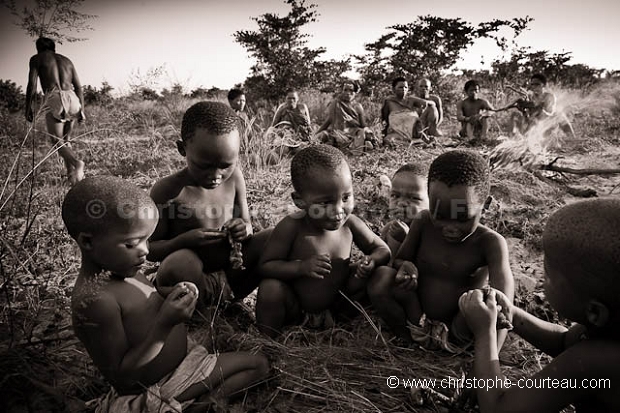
(293, 115)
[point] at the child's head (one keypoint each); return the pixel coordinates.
(409, 193)
(292, 98)
(458, 186)
(349, 90)
(236, 99)
(111, 220)
(45, 43)
(538, 81)
(582, 262)
(210, 143)
(400, 87)
(472, 88)
(323, 186)
(424, 88)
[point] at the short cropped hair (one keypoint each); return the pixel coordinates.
(418, 169)
(99, 204)
(581, 242)
(398, 79)
(539, 76)
(307, 161)
(470, 83)
(216, 117)
(45, 43)
(461, 167)
(235, 93)
(356, 86)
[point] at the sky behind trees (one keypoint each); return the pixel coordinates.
(193, 39)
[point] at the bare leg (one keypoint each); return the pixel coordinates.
(78, 168)
(183, 265)
(276, 304)
(233, 372)
(484, 128)
(57, 131)
(430, 118)
(382, 293)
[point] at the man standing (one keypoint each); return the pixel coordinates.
(63, 102)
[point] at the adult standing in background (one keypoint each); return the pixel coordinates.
(64, 100)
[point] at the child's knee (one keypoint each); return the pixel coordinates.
(271, 291)
(181, 265)
(381, 282)
(261, 366)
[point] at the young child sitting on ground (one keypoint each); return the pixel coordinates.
(136, 337)
(204, 210)
(471, 112)
(408, 196)
(307, 260)
(582, 282)
(442, 256)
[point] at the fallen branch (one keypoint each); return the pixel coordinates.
(587, 171)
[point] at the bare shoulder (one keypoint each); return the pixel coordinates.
(92, 304)
(237, 176)
(168, 187)
(435, 99)
(489, 239)
(594, 358)
(355, 223)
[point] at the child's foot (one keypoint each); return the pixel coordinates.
(76, 173)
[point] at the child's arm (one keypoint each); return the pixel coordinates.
(394, 233)
(376, 250)
(361, 115)
(460, 116)
(500, 274)
(409, 247)
(240, 226)
(439, 106)
(385, 117)
(103, 334)
(306, 113)
(585, 360)
(274, 262)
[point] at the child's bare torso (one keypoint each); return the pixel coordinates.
(316, 295)
(139, 302)
(473, 107)
(447, 270)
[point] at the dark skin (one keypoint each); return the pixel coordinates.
(57, 71)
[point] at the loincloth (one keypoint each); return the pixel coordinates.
(197, 365)
(63, 105)
(435, 335)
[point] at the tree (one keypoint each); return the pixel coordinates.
(428, 46)
(11, 96)
(283, 59)
(51, 18)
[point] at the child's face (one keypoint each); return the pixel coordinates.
(238, 103)
(536, 86)
(567, 300)
(408, 196)
(292, 99)
(328, 198)
(455, 210)
(401, 89)
(348, 92)
(123, 251)
(424, 88)
(212, 159)
(472, 91)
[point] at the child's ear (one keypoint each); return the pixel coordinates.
(299, 203)
(597, 313)
(85, 241)
(181, 147)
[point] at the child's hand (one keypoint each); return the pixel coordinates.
(407, 276)
(179, 305)
(398, 230)
(365, 266)
(317, 266)
(200, 236)
(238, 229)
(480, 313)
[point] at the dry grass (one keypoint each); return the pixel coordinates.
(337, 370)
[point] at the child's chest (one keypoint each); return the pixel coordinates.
(337, 244)
(196, 207)
(452, 261)
(139, 304)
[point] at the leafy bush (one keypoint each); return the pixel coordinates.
(11, 96)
